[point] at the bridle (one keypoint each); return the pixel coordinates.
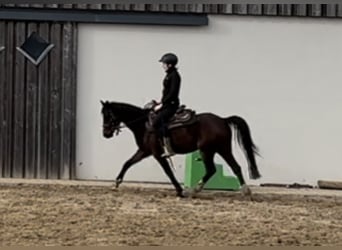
(111, 125)
(116, 127)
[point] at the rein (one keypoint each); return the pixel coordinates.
(118, 129)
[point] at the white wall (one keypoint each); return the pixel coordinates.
(283, 75)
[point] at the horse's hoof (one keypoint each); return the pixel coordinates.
(246, 191)
(181, 194)
(191, 193)
(199, 187)
(117, 183)
(115, 187)
(187, 194)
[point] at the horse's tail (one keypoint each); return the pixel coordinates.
(245, 140)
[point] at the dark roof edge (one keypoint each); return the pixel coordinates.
(290, 10)
(100, 16)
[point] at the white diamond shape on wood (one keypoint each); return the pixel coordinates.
(35, 48)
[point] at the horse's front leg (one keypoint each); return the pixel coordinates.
(167, 169)
(138, 156)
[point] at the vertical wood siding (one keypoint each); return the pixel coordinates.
(37, 103)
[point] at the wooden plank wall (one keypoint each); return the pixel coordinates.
(37, 104)
(300, 10)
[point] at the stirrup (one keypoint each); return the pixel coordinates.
(167, 153)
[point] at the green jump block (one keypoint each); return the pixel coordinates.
(195, 170)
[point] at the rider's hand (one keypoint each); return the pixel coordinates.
(158, 106)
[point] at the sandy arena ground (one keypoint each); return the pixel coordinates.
(91, 213)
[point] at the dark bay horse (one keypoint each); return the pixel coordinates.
(210, 134)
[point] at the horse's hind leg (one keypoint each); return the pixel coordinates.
(208, 159)
(226, 154)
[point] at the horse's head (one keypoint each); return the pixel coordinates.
(111, 123)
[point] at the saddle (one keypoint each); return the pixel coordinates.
(183, 117)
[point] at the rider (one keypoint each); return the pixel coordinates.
(169, 103)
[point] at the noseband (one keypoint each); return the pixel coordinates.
(117, 128)
(111, 125)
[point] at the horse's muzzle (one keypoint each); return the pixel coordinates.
(108, 133)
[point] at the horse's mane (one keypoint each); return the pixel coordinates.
(125, 108)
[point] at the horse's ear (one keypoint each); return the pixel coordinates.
(102, 102)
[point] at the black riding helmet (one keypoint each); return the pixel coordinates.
(169, 58)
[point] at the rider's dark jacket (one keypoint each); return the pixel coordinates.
(171, 89)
